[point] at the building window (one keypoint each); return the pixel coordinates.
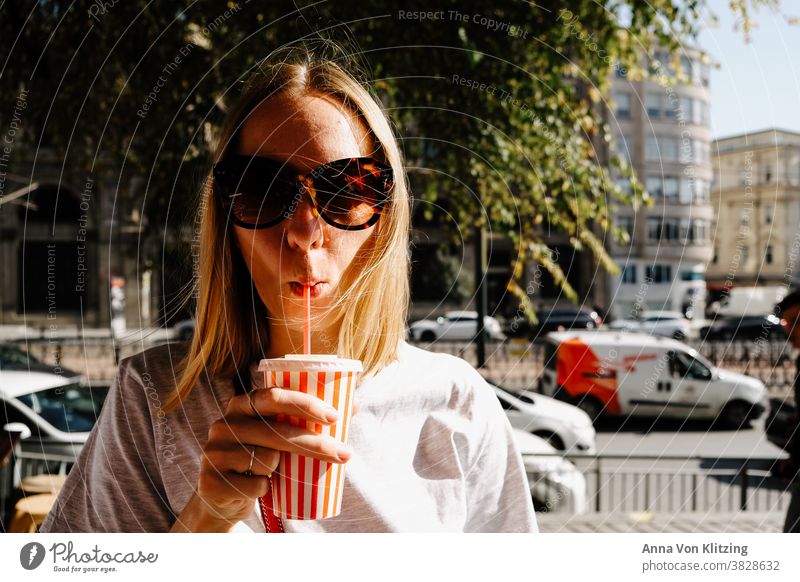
(659, 273)
(653, 229)
(686, 234)
(654, 185)
(705, 73)
(685, 190)
(669, 107)
(623, 101)
(672, 228)
(745, 254)
(629, 274)
(651, 152)
(768, 255)
(686, 110)
(700, 230)
(621, 147)
(701, 151)
(767, 174)
(669, 230)
(663, 149)
(744, 216)
(626, 224)
(652, 103)
(702, 191)
(715, 258)
(705, 113)
(687, 69)
(671, 187)
(768, 214)
(669, 148)
(624, 184)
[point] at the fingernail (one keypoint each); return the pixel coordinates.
(331, 414)
(344, 452)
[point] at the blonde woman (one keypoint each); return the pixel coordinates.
(182, 444)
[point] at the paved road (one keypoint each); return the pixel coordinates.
(643, 522)
(677, 437)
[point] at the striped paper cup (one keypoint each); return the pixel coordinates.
(304, 487)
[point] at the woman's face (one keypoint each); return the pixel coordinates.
(303, 131)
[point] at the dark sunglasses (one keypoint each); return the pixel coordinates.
(259, 192)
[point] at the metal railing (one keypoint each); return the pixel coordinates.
(515, 363)
(672, 483)
(678, 484)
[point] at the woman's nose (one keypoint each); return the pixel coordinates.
(304, 227)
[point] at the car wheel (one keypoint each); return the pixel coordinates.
(552, 439)
(590, 405)
(735, 415)
(427, 336)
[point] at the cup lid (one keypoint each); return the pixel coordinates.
(310, 363)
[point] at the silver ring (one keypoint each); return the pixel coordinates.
(252, 406)
(249, 472)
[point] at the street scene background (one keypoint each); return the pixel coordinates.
(602, 168)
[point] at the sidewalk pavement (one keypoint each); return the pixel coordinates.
(647, 522)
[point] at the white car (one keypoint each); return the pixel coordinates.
(454, 325)
(58, 412)
(566, 427)
(661, 323)
(556, 484)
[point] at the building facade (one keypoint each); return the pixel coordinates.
(756, 199)
(663, 130)
(70, 263)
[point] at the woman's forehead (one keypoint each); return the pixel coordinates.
(305, 131)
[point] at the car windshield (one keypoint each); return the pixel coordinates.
(70, 408)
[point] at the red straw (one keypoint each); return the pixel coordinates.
(307, 330)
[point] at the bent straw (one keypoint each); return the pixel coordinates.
(307, 330)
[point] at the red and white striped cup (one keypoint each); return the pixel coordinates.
(304, 487)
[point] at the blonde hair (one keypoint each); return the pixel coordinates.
(228, 334)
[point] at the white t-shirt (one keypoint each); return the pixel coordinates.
(432, 452)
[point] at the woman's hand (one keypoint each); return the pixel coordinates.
(225, 494)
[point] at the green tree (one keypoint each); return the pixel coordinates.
(500, 108)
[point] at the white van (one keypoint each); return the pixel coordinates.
(742, 301)
(616, 373)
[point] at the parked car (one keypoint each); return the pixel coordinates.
(555, 319)
(59, 411)
(14, 358)
(661, 323)
(749, 327)
(615, 373)
(454, 325)
(555, 483)
(566, 427)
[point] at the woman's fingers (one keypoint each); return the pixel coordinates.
(272, 401)
(237, 458)
(280, 436)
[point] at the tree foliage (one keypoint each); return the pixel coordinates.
(501, 108)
